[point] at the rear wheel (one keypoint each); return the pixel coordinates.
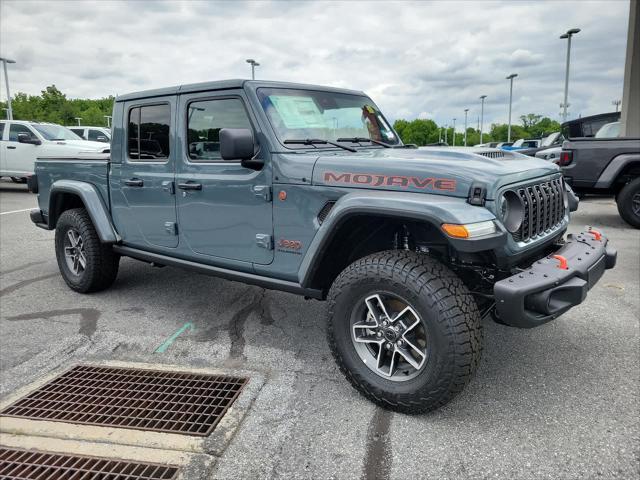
(404, 330)
(18, 179)
(628, 201)
(86, 264)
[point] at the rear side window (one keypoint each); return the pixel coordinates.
(1, 130)
(16, 129)
(78, 131)
(149, 132)
(205, 120)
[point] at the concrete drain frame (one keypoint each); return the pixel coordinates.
(20, 432)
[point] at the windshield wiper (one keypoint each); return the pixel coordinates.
(364, 139)
(317, 141)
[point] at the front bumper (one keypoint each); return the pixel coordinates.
(545, 291)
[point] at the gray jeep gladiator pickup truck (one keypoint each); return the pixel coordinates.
(605, 166)
(309, 190)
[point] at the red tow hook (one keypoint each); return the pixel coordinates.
(563, 262)
(596, 234)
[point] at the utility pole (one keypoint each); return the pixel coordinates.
(565, 104)
(616, 103)
(466, 110)
(253, 64)
(454, 132)
(6, 79)
(446, 129)
(482, 97)
(510, 78)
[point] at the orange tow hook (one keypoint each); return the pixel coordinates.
(563, 262)
(596, 234)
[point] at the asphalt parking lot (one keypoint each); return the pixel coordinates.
(559, 401)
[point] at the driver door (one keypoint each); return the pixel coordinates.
(20, 157)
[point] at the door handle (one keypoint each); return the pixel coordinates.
(190, 186)
(10, 147)
(134, 182)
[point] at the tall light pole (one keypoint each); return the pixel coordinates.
(108, 117)
(446, 129)
(565, 104)
(6, 79)
(482, 97)
(617, 104)
(78, 120)
(510, 78)
(466, 110)
(454, 132)
(253, 64)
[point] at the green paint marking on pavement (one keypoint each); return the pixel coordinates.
(167, 343)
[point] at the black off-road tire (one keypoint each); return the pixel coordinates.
(625, 201)
(101, 261)
(440, 297)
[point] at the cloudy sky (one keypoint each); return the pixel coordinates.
(416, 59)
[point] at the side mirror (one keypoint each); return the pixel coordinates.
(102, 138)
(238, 144)
(26, 138)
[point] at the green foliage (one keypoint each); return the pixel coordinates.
(53, 106)
(419, 131)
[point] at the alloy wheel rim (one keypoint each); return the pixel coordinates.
(389, 337)
(74, 252)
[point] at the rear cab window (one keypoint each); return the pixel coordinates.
(149, 133)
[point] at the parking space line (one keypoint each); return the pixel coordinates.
(15, 211)
(167, 343)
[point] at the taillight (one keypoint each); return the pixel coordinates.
(566, 157)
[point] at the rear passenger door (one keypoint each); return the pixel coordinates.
(144, 202)
(224, 209)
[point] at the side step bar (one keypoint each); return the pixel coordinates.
(250, 278)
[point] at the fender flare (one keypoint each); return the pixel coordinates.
(429, 208)
(611, 171)
(93, 203)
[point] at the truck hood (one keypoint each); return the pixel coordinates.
(445, 171)
(83, 145)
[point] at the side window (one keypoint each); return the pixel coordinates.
(205, 119)
(149, 132)
(97, 136)
(1, 130)
(78, 131)
(17, 128)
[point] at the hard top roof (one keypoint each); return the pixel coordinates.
(225, 85)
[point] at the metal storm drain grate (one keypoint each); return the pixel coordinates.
(18, 464)
(162, 401)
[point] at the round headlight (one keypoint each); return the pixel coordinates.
(511, 211)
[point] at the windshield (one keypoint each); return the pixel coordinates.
(610, 130)
(55, 132)
(518, 143)
(550, 139)
(307, 114)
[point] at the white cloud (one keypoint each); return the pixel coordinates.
(411, 57)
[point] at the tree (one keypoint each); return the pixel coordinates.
(529, 120)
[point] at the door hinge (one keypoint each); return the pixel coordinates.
(168, 186)
(262, 191)
(264, 241)
(171, 228)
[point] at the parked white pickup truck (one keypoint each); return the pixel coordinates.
(22, 142)
(94, 134)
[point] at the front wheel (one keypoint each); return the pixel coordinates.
(86, 264)
(404, 330)
(18, 179)
(628, 201)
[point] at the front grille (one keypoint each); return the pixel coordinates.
(20, 464)
(492, 154)
(543, 208)
(162, 401)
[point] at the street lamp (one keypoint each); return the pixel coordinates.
(446, 129)
(6, 79)
(482, 97)
(253, 64)
(617, 104)
(78, 120)
(565, 104)
(108, 117)
(466, 110)
(510, 78)
(454, 132)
